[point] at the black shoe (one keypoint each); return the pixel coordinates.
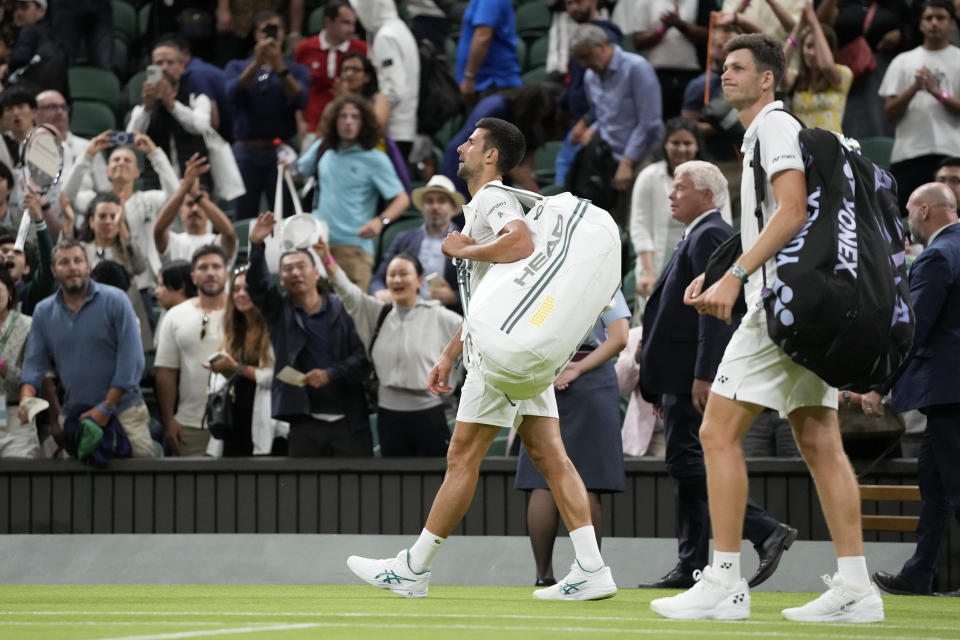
(770, 551)
(678, 578)
(946, 594)
(544, 582)
(898, 585)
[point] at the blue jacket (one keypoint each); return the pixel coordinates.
(409, 242)
(678, 343)
(929, 376)
(289, 340)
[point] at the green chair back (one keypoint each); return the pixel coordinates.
(124, 20)
(545, 161)
(315, 22)
(533, 20)
(87, 119)
(95, 85)
(537, 55)
(877, 150)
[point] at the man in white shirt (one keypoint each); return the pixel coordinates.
(921, 89)
(190, 334)
(755, 373)
(498, 234)
(140, 208)
(196, 208)
(397, 61)
(172, 115)
(53, 109)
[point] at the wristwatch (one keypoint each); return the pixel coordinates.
(739, 271)
(846, 397)
(384, 220)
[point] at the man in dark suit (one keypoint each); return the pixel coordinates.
(439, 202)
(679, 358)
(928, 382)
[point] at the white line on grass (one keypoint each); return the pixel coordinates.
(219, 632)
(114, 623)
(504, 616)
(713, 632)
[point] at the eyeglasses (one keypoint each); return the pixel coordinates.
(55, 107)
(203, 326)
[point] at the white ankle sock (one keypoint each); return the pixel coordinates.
(727, 565)
(424, 550)
(585, 548)
(853, 572)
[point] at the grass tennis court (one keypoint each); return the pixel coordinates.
(85, 612)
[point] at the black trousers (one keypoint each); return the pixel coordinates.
(684, 458)
(413, 433)
(312, 438)
(939, 480)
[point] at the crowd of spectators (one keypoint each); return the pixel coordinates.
(170, 204)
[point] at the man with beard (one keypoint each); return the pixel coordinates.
(190, 335)
(196, 207)
(90, 331)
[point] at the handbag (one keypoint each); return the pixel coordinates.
(857, 53)
(591, 174)
(218, 412)
(720, 262)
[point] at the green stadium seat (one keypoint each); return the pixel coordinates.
(134, 87)
(533, 20)
(121, 60)
(88, 119)
(446, 132)
(124, 20)
(315, 22)
(98, 85)
(552, 189)
(411, 219)
(627, 43)
(242, 227)
(521, 52)
(533, 76)
(537, 54)
(877, 150)
(545, 161)
(145, 20)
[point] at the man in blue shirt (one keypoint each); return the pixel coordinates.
(487, 52)
(89, 332)
(266, 90)
(624, 97)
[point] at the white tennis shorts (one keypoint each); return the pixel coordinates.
(755, 370)
(482, 404)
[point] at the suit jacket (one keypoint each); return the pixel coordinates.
(409, 242)
(678, 343)
(929, 377)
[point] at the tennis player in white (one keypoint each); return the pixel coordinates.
(498, 234)
(755, 373)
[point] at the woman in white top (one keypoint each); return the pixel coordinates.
(411, 420)
(653, 231)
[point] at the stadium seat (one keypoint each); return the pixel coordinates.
(242, 227)
(537, 55)
(533, 20)
(91, 83)
(134, 87)
(539, 74)
(447, 130)
(545, 161)
(145, 21)
(88, 119)
(411, 219)
(877, 150)
(627, 43)
(552, 189)
(521, 53)
(121, 61)
(315, 22)
(124, 20)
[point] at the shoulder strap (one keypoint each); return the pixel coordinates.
(376, 330)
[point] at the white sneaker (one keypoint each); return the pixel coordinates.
(710, 598)
(840, 604)
(581, 585)
(394, 574)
